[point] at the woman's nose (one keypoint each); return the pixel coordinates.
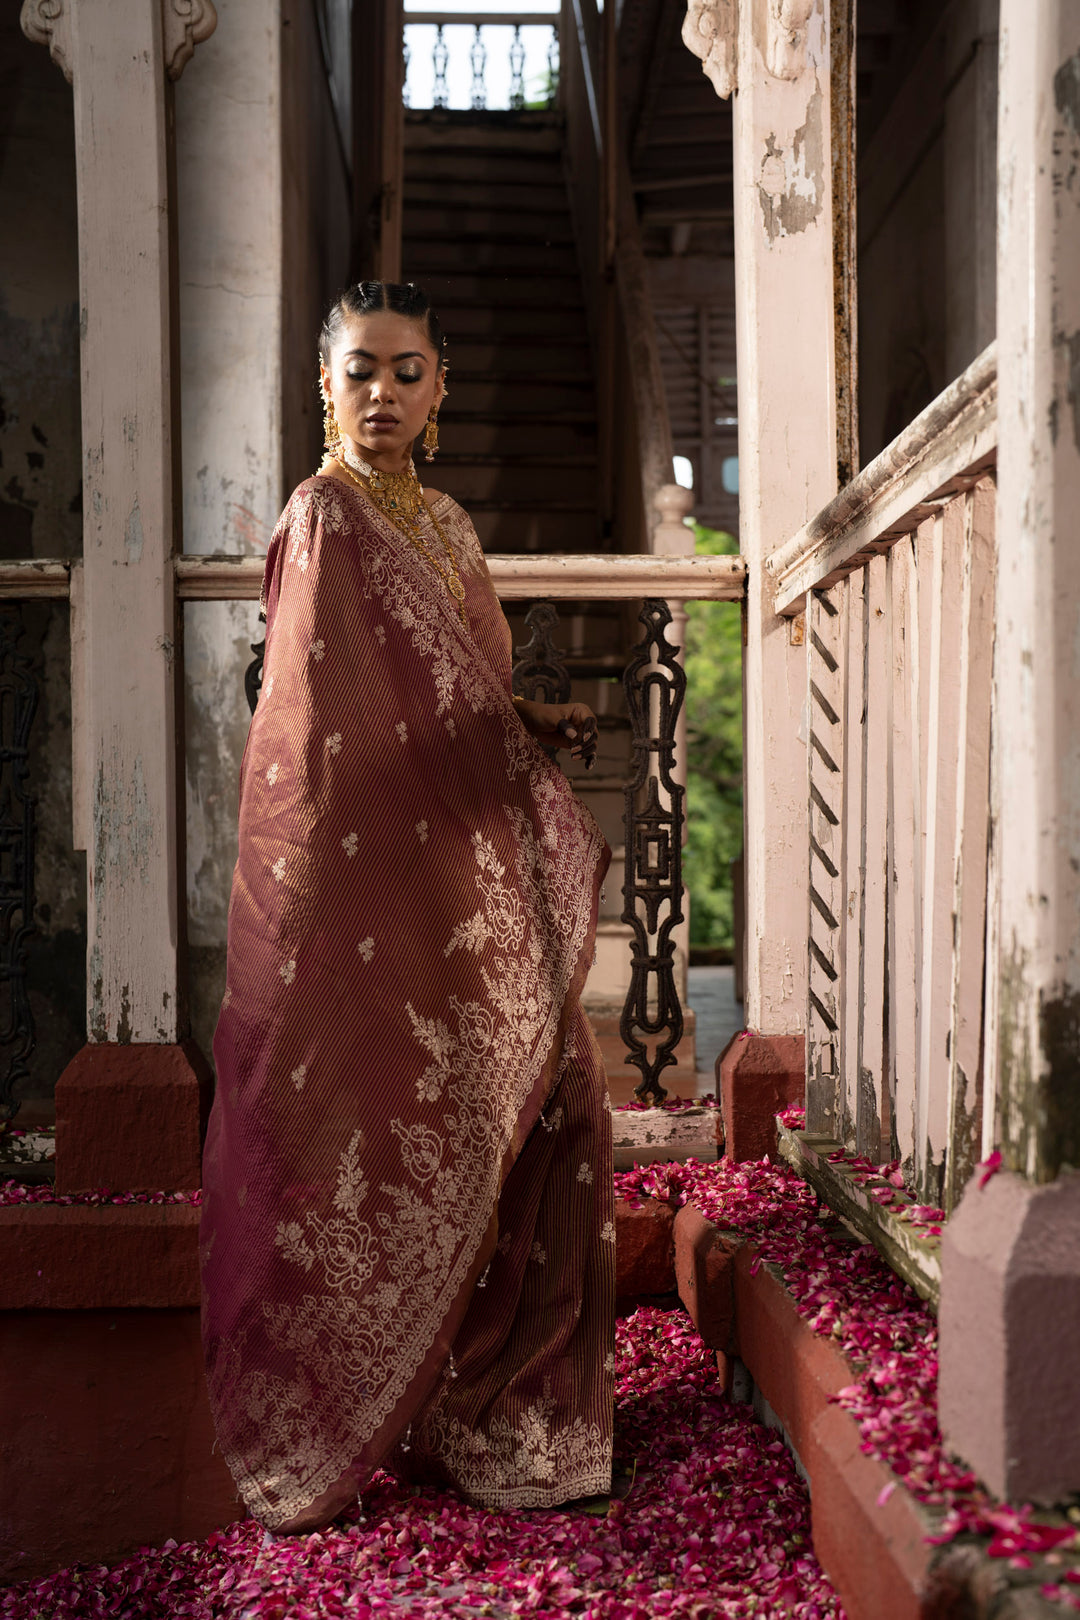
(382, 387)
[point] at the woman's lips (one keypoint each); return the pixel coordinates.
(381, 422)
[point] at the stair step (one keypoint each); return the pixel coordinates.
(488, 324)
(432, 220)
(495, 288)
(483, 132)
(527, 460)
(517, 361)
(547, 195)
(496, 486)
(509, 438)
(464, 168)
(526, 418)
(494, 393)
(516, 533)
(450, 256)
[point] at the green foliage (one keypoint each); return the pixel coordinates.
(714, 754)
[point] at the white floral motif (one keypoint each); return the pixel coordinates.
(380, 633)
(272, 773)
(268, 688)
(299, 1075)
(302, 562)
(421, 831)
(366, 948)
(609, 1363)
(505, 1242)
(278, 869)
(538, 1254)
(607, 1232)
(349, 843)
(227, 997)
(532, 1463)
(290, 1239)
(318, 650)
(585, 1174)
(288, 970)
(403, 731)
(333, 742)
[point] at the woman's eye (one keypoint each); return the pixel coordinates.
(408, 376)
(358, 376)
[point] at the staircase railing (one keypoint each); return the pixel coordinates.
(498, 31)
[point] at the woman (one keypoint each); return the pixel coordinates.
(407, 1235)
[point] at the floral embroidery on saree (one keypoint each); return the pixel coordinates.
(388, 1040)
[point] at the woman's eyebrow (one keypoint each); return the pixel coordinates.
(365, 354)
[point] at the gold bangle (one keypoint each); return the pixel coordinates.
(515, 698)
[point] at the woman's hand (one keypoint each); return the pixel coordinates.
(561, 725)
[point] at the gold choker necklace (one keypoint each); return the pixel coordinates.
(398, 494)
(392, 494)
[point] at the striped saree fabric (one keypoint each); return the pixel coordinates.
(407, 1238)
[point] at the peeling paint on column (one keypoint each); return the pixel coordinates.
(791, 186)
(133, 535)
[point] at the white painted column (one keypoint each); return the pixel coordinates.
(1037, 678)
(787, 458)
(1010, 1281)
(119, 55)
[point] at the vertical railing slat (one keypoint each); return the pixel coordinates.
(851, 868)
(965, 1102)
(872, 1110)
(943, 724)
(902, 839)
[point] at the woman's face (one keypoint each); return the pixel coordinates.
(383, 378)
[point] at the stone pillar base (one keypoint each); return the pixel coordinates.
(1009, 1387)
(132, 1118)
(757, 1076)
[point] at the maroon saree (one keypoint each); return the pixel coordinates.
(407, 1237)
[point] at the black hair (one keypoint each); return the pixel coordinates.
(365, 297)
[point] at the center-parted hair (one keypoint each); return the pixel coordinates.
(369, 297)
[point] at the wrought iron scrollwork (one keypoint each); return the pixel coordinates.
(539, 673)
(655, 683)
(18, 705)
(254, 673)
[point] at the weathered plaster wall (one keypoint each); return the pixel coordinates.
(40, 499)
(228, 106)
(263, 233)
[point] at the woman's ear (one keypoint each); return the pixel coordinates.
(440, 388)
(324, 379)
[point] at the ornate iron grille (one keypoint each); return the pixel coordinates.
(540, 673)
(254, 673)
(655, 683)
(18, 705)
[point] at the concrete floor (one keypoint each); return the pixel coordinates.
(711, 993)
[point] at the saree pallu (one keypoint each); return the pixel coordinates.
(407, 1238)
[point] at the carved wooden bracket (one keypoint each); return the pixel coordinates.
(710, 30)
(184, 24)
(785, 51)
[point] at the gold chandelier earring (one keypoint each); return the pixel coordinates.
(331, 430)
(431, 434)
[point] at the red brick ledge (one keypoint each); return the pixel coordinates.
(870, 1533)
(73, 1257)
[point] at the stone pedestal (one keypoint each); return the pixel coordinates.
(132, 1118)
(757, 1076)
(1009, 1387)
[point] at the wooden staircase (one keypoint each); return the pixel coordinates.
(487, 231)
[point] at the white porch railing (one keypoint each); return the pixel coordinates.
(896, 578)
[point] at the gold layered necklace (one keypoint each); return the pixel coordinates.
(400, 498)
